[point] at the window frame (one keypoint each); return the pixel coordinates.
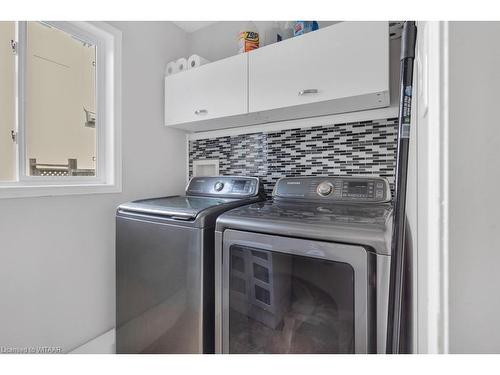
(107, 40)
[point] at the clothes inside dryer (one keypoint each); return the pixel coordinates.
(283, 303)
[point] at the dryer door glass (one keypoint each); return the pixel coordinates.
(283, 303)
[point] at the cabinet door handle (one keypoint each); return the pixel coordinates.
(200, 112)
(308, 91)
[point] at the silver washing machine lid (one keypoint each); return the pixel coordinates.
(179, 207)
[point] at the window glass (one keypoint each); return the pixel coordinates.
(7, 101)
(60, 119)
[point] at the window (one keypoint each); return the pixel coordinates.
(59, 120)
(59, 108)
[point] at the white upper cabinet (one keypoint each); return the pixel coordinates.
(346, 65)
(338, 69)
(215, 90)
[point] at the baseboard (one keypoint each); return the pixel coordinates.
(103, 344)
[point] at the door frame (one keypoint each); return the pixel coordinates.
(427, 198)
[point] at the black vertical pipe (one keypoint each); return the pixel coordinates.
(408, 41)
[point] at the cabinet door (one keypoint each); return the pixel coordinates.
(346, 60)
(218, 89)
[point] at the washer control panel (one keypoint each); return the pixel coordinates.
(341, 189)
(219, 185)
(324, 188)
(223, 186)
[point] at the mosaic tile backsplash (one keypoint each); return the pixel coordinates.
(358, 148)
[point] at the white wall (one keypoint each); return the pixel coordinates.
(57, 256)
(474, 180)
(220, 40)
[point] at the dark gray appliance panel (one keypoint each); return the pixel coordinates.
(159, 287)
(281, 303)
(288, 295)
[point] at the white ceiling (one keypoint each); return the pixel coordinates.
(191, 26)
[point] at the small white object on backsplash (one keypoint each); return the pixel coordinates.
(182, 64)
(206, 167)
(195, 61)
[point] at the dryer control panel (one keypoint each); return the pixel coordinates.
(335, 189)
(224, 186)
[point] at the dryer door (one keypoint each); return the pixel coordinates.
(287, 295)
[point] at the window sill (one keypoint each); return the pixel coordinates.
(26, 191)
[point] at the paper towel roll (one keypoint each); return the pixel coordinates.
(171, 68)
(181, 64)
(196, 61)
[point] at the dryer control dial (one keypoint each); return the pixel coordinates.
(218, 186)
(324, 189)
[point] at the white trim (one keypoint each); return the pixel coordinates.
(19, 105)
(444, 193)
(299, 123)
(433, 192)
(187, 158)
(24, 191)
(108, 41)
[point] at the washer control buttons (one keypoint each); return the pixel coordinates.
(218, 186)
(324, 189)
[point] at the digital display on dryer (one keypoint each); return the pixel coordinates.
(357, 187)
(239, 186)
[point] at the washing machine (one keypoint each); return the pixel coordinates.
(308, 271)
(165, 266)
